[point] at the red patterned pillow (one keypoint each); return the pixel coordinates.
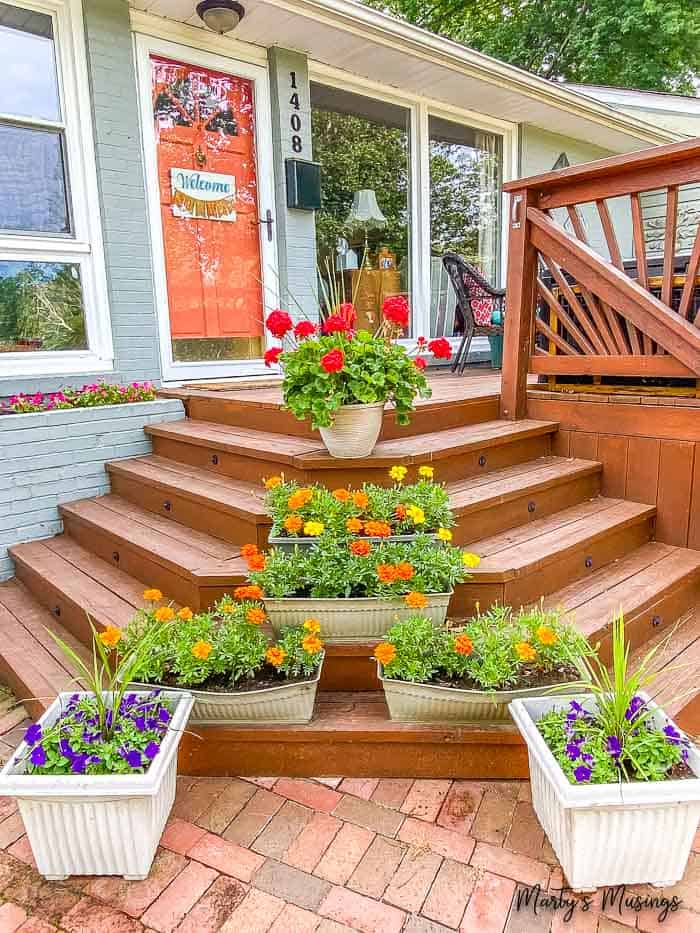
(482, 309)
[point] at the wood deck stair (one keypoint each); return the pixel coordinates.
(177, 518)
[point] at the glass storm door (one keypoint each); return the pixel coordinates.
(205, 131)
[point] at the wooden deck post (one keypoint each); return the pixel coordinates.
(520, 302)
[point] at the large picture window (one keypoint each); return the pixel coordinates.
(52, 292)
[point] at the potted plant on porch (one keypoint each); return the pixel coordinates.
(471, 672)
(615, 782)
(227, 661)
(356, 589)
(95, 776)
(342, 379)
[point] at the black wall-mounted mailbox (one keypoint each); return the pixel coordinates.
(303, 185)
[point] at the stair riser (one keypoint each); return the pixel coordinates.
(15, 677)
(342, 473)
(224, 753)
(493, 518)
(423, 420)
(198, 514)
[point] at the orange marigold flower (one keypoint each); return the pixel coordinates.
(360, 500)
(111, 636)
(400, 512)
(360, 548)
(185, 614)
(377, 529)
(255, 616)
(248, 592)
(293, 523)
(312, 644)
(300, 498)
(404, 570)
(164, 614)
(272, 482)
(249, 550)
(463, 644)
(275, 656)
(201, 650)
(525, 651)
(312, 625)
(257, 562)
(387, 573)
(547, 635)
(385, 653)
(415, 600)
(354, 526)
(342, 495)
(152, 595)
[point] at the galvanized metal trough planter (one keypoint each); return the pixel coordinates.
(416, 702)
(352, 621)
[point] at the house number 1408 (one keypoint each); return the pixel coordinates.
(295, 119)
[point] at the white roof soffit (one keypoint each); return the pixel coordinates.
(352, 37)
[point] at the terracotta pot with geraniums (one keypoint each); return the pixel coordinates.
(301, 515)
(227, 660)
(615, 782)
(95, 776)
(341, 379)
(357, 589)
(471, 672)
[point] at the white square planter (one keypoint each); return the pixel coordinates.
(105, 824)
(610, 834)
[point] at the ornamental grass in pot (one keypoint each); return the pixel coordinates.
(341, 379)
(399, 512)
(357, 589)
(615, 782)
(95, 776)
(227, 660)
(470, 673)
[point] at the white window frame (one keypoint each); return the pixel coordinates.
(83, 246)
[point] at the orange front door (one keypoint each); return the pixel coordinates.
(205, 143)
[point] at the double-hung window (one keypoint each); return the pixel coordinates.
(53, 303)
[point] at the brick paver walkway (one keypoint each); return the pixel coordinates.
(281, 855)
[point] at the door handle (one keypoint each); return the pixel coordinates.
(268, 221)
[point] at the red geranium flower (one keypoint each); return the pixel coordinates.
(304, 329)
(396, 310)
(421, 341)
(333, 361)
(335, 324)
(272, 356)
(440, 348)
(279, 323)
(420, 362)
(347, 310)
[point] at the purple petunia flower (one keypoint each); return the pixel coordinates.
(79, 763)
(673, 736)
(613, 746)
(134, 758)
(94, 760)
(140, 722)
(582, 774)
(587, 758)
(65, 749)
(33, 734)
(164, 715)
(38, 756)
(151, 750)
(636, 704)
(573, 751)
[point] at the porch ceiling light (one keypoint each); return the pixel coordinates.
(220, 15)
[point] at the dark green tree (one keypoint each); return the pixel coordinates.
(645, 44)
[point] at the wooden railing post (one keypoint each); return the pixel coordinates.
(520, 303)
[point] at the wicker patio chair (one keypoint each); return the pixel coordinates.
(476, 302)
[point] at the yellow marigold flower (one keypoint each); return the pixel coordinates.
(398, 473)
(227, 607)
(201, 650)
(312, 625)
(384, 653)
(427, 472)
(525, 651)
(416, 514)
(313, 529)
(164, 614)
(152, 595)
(312, 644)
(275, 656)
(444, 534)
(111, 636)
(185, 614)
(415, 600)
(470, 560)
(255, 616)
(547, 635)
(272, 482)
